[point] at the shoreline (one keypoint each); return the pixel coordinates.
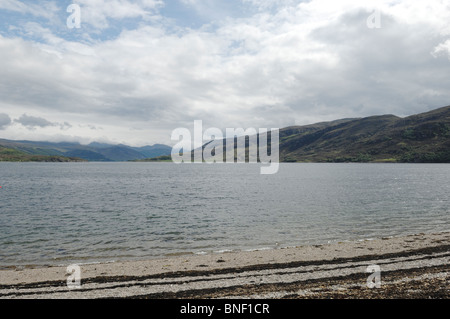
(411, 266)
(185, 254)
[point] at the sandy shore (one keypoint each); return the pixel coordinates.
(415, 266)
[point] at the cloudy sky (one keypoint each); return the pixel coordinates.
(135, 70)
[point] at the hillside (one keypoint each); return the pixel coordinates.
(92, 152)
(421, 138)
(12, 155)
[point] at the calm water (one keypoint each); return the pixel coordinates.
(61, 213)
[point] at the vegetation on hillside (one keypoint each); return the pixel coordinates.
(12, 155)
(421, 138)
(164, 158)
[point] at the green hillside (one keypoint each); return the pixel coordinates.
(12, 155)
(421, 138)
(97, 152)
(164, 158)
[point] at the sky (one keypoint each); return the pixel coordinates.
(133, 71)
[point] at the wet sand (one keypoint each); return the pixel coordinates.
(414, 266)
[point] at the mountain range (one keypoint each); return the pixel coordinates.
(75, 151)
(420, 138)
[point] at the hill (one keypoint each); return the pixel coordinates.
(92, 152)
(12, 155)
(421, 138)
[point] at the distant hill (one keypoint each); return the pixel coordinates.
(421, 138)
(92, 152)
(156, 150)
(164, 158)
(13, 155)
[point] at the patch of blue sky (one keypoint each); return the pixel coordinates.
(197, 14)
(19, 18)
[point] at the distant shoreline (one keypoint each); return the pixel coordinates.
(413, 266)
(78, 160)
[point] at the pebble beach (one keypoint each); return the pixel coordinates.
(413, 266)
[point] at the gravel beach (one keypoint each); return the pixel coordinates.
(413, 266)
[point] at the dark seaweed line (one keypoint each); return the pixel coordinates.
(208, 292)
(136, 284)
(101, 279)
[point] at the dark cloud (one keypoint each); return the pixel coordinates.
(5, 121)
(33, 122)
(65, 126)
(386, 70)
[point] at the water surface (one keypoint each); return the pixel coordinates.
(61, 213)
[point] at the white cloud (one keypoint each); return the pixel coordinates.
(442, 48)
(43, 9)
(290, 62)
(97, 12)
(270, 4)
